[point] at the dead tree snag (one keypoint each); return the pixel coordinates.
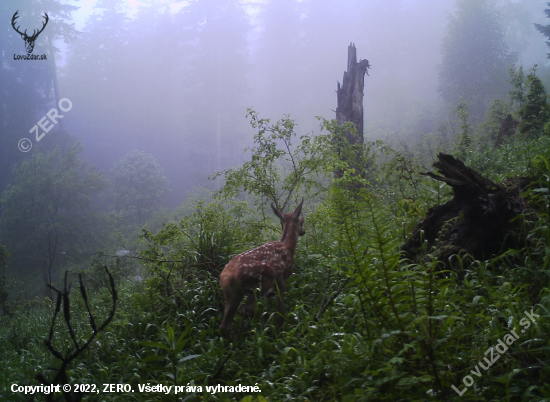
(349, 144)
(350, 95)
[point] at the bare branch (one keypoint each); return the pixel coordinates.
(63, 297)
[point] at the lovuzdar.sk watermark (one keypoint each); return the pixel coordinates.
(29, 39)
(501, 347)
(30, 57)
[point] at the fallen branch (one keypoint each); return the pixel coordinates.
(72, 353)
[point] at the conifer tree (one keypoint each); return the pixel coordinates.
(545, 29)
(535, 111)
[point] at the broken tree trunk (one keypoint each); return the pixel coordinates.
(350, 95)
(350, 109)
(476, 220)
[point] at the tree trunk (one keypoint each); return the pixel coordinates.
(350, 109)
(350, 95)
(476, 220)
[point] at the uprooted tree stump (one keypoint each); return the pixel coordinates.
(476, 220)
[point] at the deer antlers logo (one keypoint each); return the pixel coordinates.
(29, 40)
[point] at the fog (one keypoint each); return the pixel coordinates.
(175, 79)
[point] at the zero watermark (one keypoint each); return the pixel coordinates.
(64, 105)
(501, 347)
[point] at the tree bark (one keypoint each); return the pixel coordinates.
(350, 95)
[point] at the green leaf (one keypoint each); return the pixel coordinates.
(184, 359)
(152, 358)
(154, 345)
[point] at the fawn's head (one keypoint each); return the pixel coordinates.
(291, 221)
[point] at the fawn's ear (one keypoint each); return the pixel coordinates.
(297, 211)
(278, 213)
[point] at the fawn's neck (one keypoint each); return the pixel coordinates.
(290, 237)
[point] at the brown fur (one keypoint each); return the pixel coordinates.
(266, 267)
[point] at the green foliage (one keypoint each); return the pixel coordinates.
(277, 169)
(529, 97)
(395, 298)
(488, 128)
(465, 138)
(199, 245)
(173, 346)
(47, 220)
(545, 182)
(535, 111)
(254, 399)
(137, 187)
(350, 163)
(407, 195)
(4, 292)
(517, 79)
